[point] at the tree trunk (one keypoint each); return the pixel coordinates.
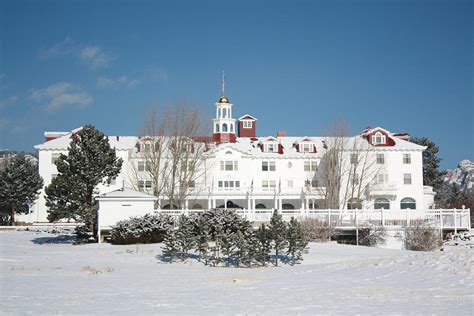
(12, 215)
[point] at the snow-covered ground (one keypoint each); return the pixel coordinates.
(39, 277)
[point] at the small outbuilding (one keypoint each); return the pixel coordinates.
(121, 204)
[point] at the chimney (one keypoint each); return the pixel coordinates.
(404, 136)
(281, 134)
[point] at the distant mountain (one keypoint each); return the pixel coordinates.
(7, 153)
(463, 176)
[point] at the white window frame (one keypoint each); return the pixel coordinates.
(268, 185)
(268, 166)
(229, 165)
(407, 179)
(378, 138)
(380, 159)
(406, 159)
(273, 146)
(310, 165)
(307, 147)
(247, 124)
(54, 157)
(354, 158)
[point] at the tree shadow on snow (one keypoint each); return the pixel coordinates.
(61, 239)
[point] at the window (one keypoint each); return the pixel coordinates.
(54, 158)
(355, 179)
(354, 203)
(268, 166)
(247, 124)
(271, 147)
(190, 184)
(217, 128)
(141, 166)
(408, 203)
(310, 165)
(380, 159)
(381, 178)
(268, 185)
(307, 148)
(147, 147)
(407, 178)
(382, 203)
(406, 159)
(224, 112)
(224, 127)
(314, 183)
(228, 185)
(354, 159)
(141, 184)
(229, 165)
(231, 128)
(378, 138)
(148, 184)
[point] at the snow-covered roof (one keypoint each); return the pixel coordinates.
(62, 142)
(127, 193)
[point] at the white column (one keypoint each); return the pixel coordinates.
(186, 204)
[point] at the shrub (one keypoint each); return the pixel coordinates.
(319, 231)
(150, 228)
(420, 237)
(372, 236)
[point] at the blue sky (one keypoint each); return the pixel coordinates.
(295, 65)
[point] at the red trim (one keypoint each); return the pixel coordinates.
(280, 148)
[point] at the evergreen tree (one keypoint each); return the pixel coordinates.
(20, 184)
(185, 236)
(278, 234)
(296, 240)
(172, 246)
(262, 244)
(432, 176)
(90, 161)
(201, 235)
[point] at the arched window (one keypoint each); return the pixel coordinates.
(408, 203)
(219, 113)
(260, 206)
(224, 127)
(382, 203)
(217, 127)
(378, 138)
(224, 112)
(354, 203)
(231, 128)
(197, 206)
(288, 206)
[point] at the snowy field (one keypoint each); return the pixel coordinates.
(40, 277)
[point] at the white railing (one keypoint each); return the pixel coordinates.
(440, 218)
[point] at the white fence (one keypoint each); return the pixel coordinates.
(455, 219)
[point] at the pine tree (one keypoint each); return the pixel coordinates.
(20, 183)
(262, 244)
(171, 245)
(278, 234)
(296, 240)
(90, 161)
(184, 235)
(432, 176)
(201, 235)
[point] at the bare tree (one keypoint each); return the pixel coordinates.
(171, 154)
(187, 153)
(347, 169)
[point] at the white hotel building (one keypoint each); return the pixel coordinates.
(270, 172)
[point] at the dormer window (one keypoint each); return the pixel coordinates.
(307, 148)
(271, 147)
(378, 138)
(247, 124)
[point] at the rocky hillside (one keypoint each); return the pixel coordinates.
(463, 176)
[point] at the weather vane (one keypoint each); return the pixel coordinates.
(223, 83)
